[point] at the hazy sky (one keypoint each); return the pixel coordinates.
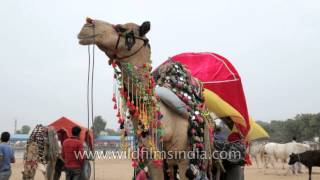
(274, 44)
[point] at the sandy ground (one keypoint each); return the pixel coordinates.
(121, 169)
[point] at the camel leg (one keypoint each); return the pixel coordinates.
(156, 172)
(183, 166)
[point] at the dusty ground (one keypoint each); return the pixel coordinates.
(121, 169)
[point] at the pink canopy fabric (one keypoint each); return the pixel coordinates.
(220, 77)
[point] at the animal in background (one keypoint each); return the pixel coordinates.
(308, 158)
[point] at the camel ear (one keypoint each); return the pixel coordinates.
(144, 28)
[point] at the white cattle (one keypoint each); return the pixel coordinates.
(275, 151)
(256, 152)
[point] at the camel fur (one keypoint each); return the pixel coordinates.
(106, 36)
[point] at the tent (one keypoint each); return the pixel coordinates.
(64, 127)
(223, 89)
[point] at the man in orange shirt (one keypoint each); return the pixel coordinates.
(71, 148)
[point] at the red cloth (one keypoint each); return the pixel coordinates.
(65, 125)
(234, 137)
(219, 76)
(69, 148)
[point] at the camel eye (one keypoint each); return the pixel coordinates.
(120, 29)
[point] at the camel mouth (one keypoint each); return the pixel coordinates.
(82, 37)
(87, 39)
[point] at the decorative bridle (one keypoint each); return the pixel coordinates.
(130, 40)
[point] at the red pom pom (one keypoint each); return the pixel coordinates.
(199, 145)
(136, 114)
(141, 175)
(134, 163)
(157, 163)
(161, 138)
(199, 119)
(114, 64)
(201, 106)
(121, 90)
(128, 103)
(185, 99)
(115, 106)
(179, 85)
(114, 98)
(133, 107)
(121, 120)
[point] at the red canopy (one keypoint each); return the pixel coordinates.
(220, 77)
(64, 127)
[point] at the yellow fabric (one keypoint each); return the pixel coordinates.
(256, 131)
(221, 108)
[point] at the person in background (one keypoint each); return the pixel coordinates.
(6, 157)
(218, 134)
(70, 148)
(233, 171)
(294, 139)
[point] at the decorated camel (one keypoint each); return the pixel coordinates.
(42, 152)
(157, 126)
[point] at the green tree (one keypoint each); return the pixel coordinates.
(112, 132)
(24, 130)
(99, 124)
(304, 127)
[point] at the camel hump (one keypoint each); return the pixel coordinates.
(177, 88)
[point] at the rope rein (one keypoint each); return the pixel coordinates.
(90, 98)
(145, 112)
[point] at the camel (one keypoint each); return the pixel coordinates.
(127, 43)
(42, 152)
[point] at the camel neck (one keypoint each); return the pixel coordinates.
(140, 58)
(136, 73)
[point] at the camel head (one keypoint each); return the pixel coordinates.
(119, 42)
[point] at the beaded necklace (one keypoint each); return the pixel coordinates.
(138, 110)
